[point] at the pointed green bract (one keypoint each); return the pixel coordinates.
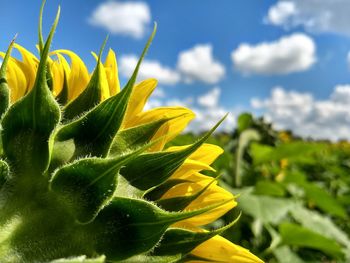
(91, 96)
(156, 193)
(93, 133)
(151, 169)
(29, 123)
(130, 226)
(182, 241)
(88, 184)
(4, 89)
(176, 204)
(134, 137)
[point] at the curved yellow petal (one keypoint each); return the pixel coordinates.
(111, 68)
(16, 80)
(213, 195)
(207, 153)
(29, 65)
(189, 167)
(179, 119)
(104, 83)
(138, 98)
(79, 75)
(219, 249)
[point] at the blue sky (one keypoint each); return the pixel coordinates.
(286, 60)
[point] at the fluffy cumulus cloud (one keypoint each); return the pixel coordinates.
(127, 18)
(313, 15)
(148, 69)
(288, 54)
(307, 116)
(207, 114)
(199, 64)
(210, 99)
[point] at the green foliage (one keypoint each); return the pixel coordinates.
(294, 194)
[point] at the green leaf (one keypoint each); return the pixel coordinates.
(269, 188)
(151, 169)
(296, 235)
(245, 139)
(286, 255)
(88, 184)
(245, 120)
(4, 89)
(324, 200)
(320, 224)
(291, 151)
(29, 123)
(134, 137)
(128, 227)
(265, 208)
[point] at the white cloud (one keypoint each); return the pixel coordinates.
(313, 15)
(198, 64)
(306, 116)
(207, 114)
(280, 13)
(286, 55)
(210, 99)
(127, 18)
(148, 69)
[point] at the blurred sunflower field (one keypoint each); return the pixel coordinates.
(294, 193)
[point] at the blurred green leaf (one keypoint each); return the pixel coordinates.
(296, 235)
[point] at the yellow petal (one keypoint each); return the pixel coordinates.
(79, 75)
(137, 101)
(180, 117)
(103, 83)
(29, 65)
(207, 153)
(219, 249)
(213, 195)
(111, 68)
(189, 167)
(16, 80)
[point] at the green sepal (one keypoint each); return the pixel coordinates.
(29, 123)
(152, 169)
(134, 137)
(62, 97)
(182, 241)
(127, 227)
(81, 259)
(91, 95)
(4, 173)
(176, 204)
(4, 89)
(88, 184)
(156, 193)
(93, 133)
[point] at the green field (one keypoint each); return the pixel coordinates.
(294, 194)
